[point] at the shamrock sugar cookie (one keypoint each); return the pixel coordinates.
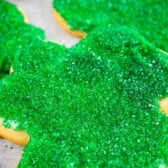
(31, 59)
(148, 16)
(96, 105)
(15, 35)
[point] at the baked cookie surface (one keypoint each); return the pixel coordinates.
(96, 103)
(148, 17)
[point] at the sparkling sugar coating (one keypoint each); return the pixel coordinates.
(149, 17)
(96, 105)
(14, 35)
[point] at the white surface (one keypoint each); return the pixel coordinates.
(40, 13)
(10, 154)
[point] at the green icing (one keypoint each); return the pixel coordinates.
(149, 17)
(15, 35)
(96, 105)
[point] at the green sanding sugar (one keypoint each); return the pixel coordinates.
(149, 17)
(95, 106)
(9, 13)
(14, 42)
(39, 55)
(15, 35)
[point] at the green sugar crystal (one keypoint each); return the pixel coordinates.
(15, 35)
(93, 105)
(149, 17)
(9, 13)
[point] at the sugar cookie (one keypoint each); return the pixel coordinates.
(148, 17)
(97, 104)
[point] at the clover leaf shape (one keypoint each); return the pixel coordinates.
(95, 104)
